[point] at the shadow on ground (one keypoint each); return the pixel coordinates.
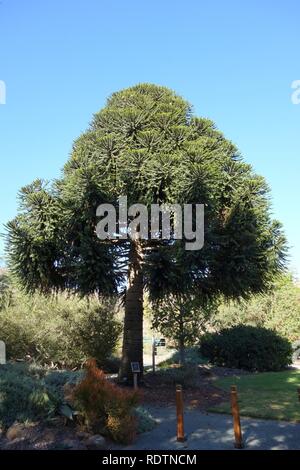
(215, 432)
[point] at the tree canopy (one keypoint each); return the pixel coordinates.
(147, 144)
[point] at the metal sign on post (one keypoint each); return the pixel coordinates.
(160, 342)
(135, 367)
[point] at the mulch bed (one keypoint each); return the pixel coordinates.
(202, 398)
(41, 436)
(202, 395)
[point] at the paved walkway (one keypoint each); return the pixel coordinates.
(215, 432)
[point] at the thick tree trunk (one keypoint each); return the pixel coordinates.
(133, 322)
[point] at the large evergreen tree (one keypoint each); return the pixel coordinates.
(147, 145)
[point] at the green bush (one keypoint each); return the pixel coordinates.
(277, 310)
(29, 391)
(59, 378)
(24, 395)
(186, 376)
(111, 365)
(63, 331)
(247, 347)
(145, 421)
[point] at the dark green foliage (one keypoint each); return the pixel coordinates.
(53, 249)
(247, 347)
(146, 144)
(111, 364)
(187, 375)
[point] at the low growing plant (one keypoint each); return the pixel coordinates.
(24, 395)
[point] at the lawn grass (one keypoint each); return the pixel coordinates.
(269, 395)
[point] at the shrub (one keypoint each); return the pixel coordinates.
(145, 421)
(61, 331)
(106, 407)
(24, 395)
(247, 347)
(277, 310)
(186, 376)
(111, 365)
(122, 429)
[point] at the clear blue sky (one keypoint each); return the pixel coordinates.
(233, 60)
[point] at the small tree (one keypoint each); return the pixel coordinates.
(182, 319)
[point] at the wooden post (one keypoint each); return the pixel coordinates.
(299, 393)
(153, 355)
(236, 418)
(135, 381)
(179, 410)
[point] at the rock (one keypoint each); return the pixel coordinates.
(70, 444)
(96, 442)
